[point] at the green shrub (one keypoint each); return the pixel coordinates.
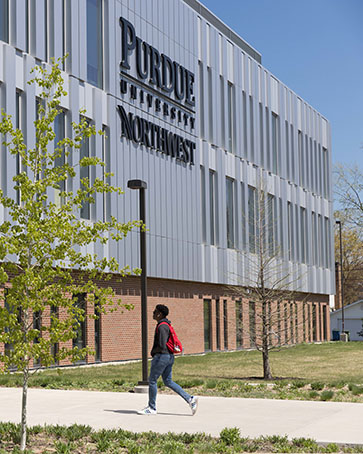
(297, 384)
(191, 382)
(326, 395)
(357, 390)
(317, 386)
(230, 436)
(211, 384)
(313, 394)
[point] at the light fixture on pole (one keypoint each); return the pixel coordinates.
(141, 186)
(341, 279)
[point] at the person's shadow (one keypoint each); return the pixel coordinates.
(134, 412)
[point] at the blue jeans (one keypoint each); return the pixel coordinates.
(162, 364)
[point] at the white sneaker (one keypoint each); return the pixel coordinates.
(147, 411)
(193, 404)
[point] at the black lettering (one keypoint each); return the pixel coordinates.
(191, 148)
(145, 133)
(179, 116)
(185, 145)
(141, 96)
(126, 129)
(149, 99)
(142, 58)
(157, 105)
(168, 73)
(173, 113)
(123, 86)
(133, 91)
(137, 129)
(165, 109)
(179, 78)
(185, 117)
(192, 122)
(164, 146)
(155, 77)
(156, 132)
(128, 42)
(189, 90)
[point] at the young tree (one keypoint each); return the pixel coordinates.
(348, 192)
(270, 289)
(43, 241)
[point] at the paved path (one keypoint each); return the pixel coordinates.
(322, 421)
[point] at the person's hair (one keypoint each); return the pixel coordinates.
(163, 309)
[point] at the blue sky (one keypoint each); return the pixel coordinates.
(315, 47)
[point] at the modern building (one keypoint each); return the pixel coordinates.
(187, 107)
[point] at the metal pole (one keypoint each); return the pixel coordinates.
(143, 291)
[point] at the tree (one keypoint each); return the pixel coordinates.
(352, 247)
(348, 192)
(268, 286)
(43, 240)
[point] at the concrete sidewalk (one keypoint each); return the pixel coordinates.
(322, 421)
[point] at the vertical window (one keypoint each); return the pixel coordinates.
(262, 157)
(210, 107)
(325, 173)
(207, 325)
(239, 325)
(244, 113)
(303, 227)
(301, 158)
(275, 143)
(225, 324)
(286, 340)
(46, 25)
(97, 333)
(4, 20)
(281, 227)
(271, 217)
(252, 320)
(296, 239)
(244, 216)
(230, 212)
(309, 323)
(80, 340)
(279, 322)
(59, 130)
(203, 203)
(292, 154)
(287, 145)
(223, 131)
(54, 316)
(314, 239)
(85, 174)
(304, 321)
(320, 240)
(218, 325)
(325, 323)
(252, 130)
(201, 100)
(252, 218)
(37, 325)
(94, 43)
(213, 207)
(290, 230)
(106, 169)
(18, 126)
(314, 324)
(267, 115)
(231, 117)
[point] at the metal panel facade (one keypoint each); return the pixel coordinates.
(245, 121)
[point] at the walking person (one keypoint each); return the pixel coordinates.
(162, 364)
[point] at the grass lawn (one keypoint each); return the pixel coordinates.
(330, 371)
(82, 439)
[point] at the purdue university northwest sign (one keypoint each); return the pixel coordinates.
(163, 87)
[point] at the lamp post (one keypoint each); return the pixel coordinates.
(141, 186)
(341, 272)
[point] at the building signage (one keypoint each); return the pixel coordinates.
(162, 85)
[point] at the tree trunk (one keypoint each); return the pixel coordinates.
(266, 365)
(23, 410)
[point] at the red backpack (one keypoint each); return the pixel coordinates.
(174, 345)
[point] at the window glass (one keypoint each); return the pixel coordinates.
(80, 340)
(225, 324)
(94, 43)
(231, 117)
(59, 130)
(207, 325)
(252, 317)
(252, 218)
(213, 207)
(203, 203)
(230, 212)
(85, 173)
(239, 324)
(4, 20)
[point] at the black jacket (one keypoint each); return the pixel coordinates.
(161, 337)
